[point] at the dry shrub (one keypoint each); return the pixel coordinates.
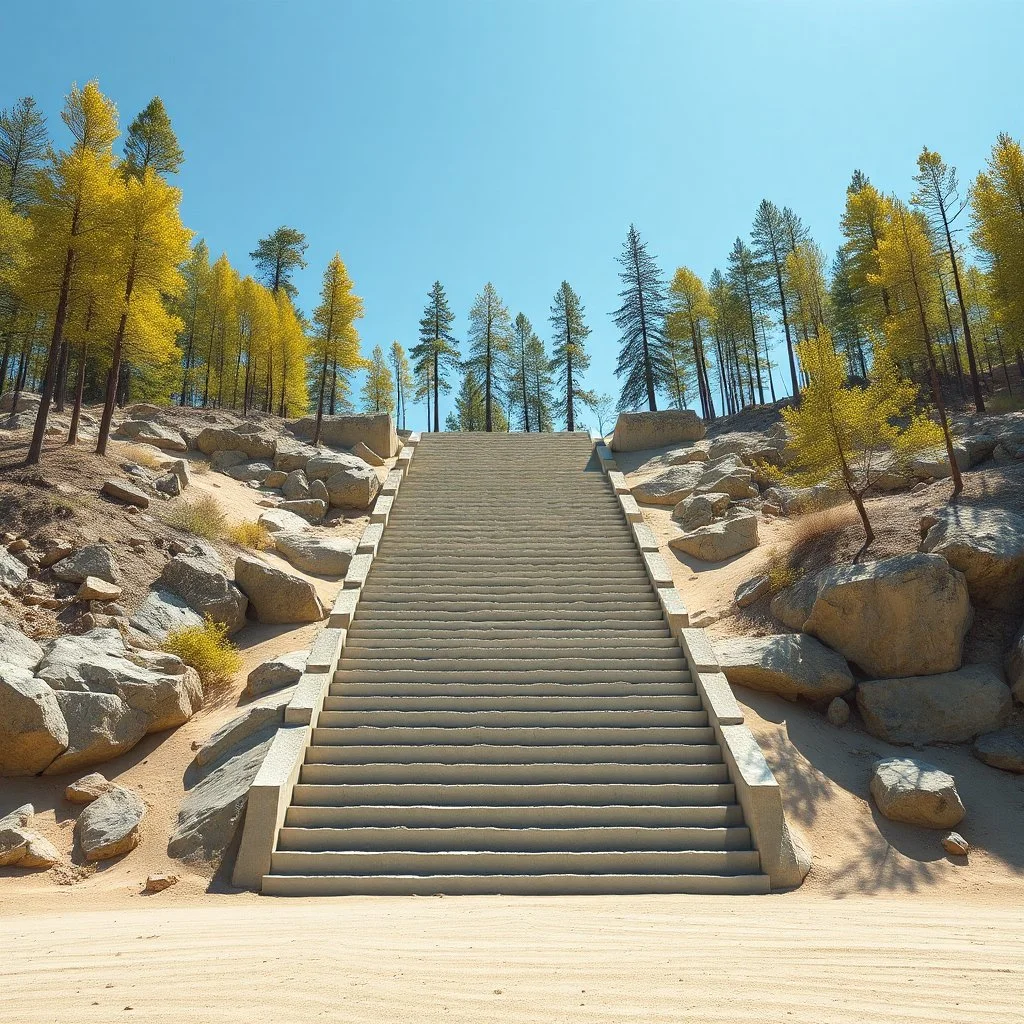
(209, 651)
(814, 542)
(204, 517)
(250, 535)
(143, 456)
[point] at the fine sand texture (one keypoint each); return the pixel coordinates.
(483, 959)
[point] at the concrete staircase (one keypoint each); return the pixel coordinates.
(511, 713)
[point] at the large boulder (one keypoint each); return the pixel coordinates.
(277, 520)
(101, 726)
(255, 472)
(295, 485)
(92, 560)
(276, 596)
(696, 511)
(17, 649)
(315, 553)
(792, 665)
(952, 707)
(253, 444)
(13, 572)
(902, 616)
(164, 612)
(32, 727)
(109, 826)
(19, 401)
(312, 509)
(353, 487)
(238, 731)
(20, 846)
(201, 580)
(727, 475)
(916, 792)
(122, 490)
(671, 486)
(635, 431)
(156, 434)
(212, 810)
(284, 670)
(376, 430)
(225, 461)
(987, 546)
(292, 455)
(1003, 749)
(720, 540)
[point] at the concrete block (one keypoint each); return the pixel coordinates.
(404, 458)
(392, 482)
(413, 439)
(698, 650)
(657, 570)
(344, 609)
(370, 540)
(674, 609)
(382, 508)
(719, 700)
(269, 797)
(618, 482)
(630, 509)
(605, 457)
(326, 650)
(358, 570)
(308, 700)
(643, 537)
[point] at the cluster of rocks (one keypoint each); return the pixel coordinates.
(21, 846)
(19, 409)
(77, 701)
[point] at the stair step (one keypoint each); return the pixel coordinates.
(542, 737)
(525, 675)
(513, 688)
(582, 646)
(471, 703)
(581, 719)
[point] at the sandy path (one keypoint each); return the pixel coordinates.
(611, 959)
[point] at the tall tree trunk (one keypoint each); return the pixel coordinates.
(113, 378)
(979, 401)
(437, 360)
(76, 414)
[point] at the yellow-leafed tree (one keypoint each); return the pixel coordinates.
(148, 245)
(336, 341)
(846, 435)
(292, 350)
(222, 324)
(686, 329)
(377, 393)
(908, 272)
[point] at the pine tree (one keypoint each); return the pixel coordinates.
(336, 345)
(745, 282)
(727, 320)
(403, 380)
(292, 354)
(686, 325)
(69, 205)
(22, 149)
(378, 394)
(907, 270)
(151, 142)
(773, 238)
(193, 312)
(570, 359)
(437, 353)
(519, 391)
(539, 384)
(278, 256)
(938, 193)
(470, 411)
(863, 225)
(640, 318)
(490, 341)
(846, 435)
(148, 243)
(846, 326)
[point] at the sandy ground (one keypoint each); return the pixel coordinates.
(483, 959)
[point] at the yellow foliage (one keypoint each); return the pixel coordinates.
(204, 517)
(251, 535)
(208, 650)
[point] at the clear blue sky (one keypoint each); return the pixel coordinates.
(515, 140)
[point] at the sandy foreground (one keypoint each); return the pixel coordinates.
(480, 959)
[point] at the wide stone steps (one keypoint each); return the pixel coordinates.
(511, 713)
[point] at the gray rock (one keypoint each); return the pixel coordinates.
(952, 707)
(19, 401)
(169, 484)
(295, 485)
(916, 792)
(250, 471)
(281, 671)
(312, 509)
(211, 811)
(13, 572)
(838, 712)
(203, 583)
(233, 733)
(720, 540)
(275, 478)
(223, 461)
(727, 475)
(695, 511)
(367, 454)
(326, 463)
(121, 490)
(32, 727)
(159, 436)
(1003, 749)
(163, 612)
(635, 431)
(87, 788)
(315, 553)
(792, 665)
(899, 616)
(92, 560)
(671, 486)
(101, 727)
(278, 520)
(276, 596)
(374, 429)
(293, 455)
(17, 649)
(752, 590)
(253, 444)
(987, 546)
(318, 492)
(353, 487)
(109, 826)
(955, 844)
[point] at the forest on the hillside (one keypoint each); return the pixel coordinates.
(105, 295)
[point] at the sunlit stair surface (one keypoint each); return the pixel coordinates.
(511, 713)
